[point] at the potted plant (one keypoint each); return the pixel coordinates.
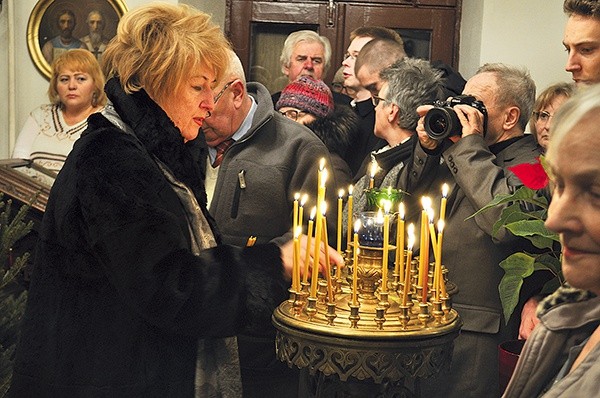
(525, 216)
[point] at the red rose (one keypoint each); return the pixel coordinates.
(532, 175)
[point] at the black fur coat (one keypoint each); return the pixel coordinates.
(117, 300)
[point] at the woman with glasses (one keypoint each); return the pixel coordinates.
(310, 102)
(546, 105)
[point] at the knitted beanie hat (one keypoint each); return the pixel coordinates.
(308, 95)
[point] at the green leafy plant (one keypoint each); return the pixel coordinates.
(529, 224)
(12, 304)
(376, 195)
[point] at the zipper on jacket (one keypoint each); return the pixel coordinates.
(236, 195)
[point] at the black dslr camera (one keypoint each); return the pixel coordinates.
(441, 121)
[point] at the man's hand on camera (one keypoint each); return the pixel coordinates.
(470, 118)
(426, 141)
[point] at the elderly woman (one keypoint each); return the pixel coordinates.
(561, 358)
(130, 287)
(76, 91)
(546, 105)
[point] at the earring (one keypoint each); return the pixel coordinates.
(95, 99)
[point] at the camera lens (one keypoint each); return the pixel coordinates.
(441, 122)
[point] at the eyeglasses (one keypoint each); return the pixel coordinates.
(225, 87)
(542, 116)
(376, 100)
(293, 114)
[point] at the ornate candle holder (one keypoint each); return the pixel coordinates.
(386, 337)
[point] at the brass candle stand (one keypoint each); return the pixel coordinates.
(380, 340)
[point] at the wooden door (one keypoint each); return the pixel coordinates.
(257, 29)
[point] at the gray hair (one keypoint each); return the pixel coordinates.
(308, 36)
(235, 69)
(515, 88)
(411, 82)
(583, 104)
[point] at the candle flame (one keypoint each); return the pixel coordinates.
(441, 225)
(350, 189)
(341, 193)
(379, 216)
(322, 164)
(325, 175)
(426, 202)
(356, 225)
(445, 190)
(313, 212)
(374, 167)
(387, 205)
(430, 214)
(401, 210)
(297, 196)
(298, 232)
(304, 199)
(411, 235)
(323, 207)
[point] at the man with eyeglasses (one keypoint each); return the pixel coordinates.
(365, 141)
(251, 193)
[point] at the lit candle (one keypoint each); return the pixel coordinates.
(374, 167)
(443, 204)
(296, 263)
(437, 278)
(424, 238)
(318, 229)
(399, 263)
(432, 230)
(339, 220)
(315, 270)
(355, 265)
(301, 211)
(295, 212)
(327, 263)
(407, 279)
(386, 245)
(350, 204)
(308, 242)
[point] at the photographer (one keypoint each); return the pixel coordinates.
(475, 167)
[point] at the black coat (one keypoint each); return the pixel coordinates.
(117, 300)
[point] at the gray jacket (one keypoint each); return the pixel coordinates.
(561, 327)
(261, 173)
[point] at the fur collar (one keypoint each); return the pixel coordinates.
(565, 294)
(157, 133)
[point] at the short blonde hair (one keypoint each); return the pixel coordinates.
(545, 99)
(158, 45)
(77, 60)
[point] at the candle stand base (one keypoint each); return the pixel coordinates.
(388, 361)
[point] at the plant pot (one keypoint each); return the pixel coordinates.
(508, 355)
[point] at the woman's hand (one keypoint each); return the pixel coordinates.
(287, 256)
